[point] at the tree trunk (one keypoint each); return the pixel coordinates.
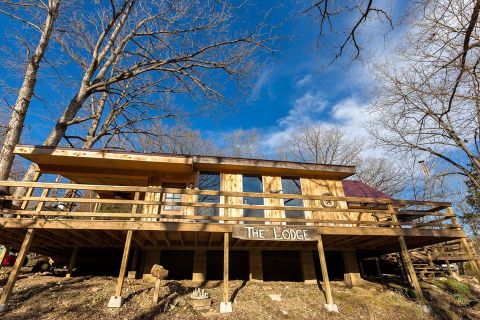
(15, 126)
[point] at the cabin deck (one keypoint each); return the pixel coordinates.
(371, 226)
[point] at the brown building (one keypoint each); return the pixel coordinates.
(207, 217)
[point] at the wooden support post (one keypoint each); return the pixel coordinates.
(449, 267)
(255, 263)
(199, 266)
(377, 265)
(7, 290)
(308, 268)
(156, 292)
(71, 263)
(473, 263)
(225, 305)
(352, 273)
(132, 274)
(330, 306)
(411, 271)
(116, 301)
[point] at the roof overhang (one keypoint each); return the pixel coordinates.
(129, 168)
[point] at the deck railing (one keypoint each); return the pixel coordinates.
(64, 201)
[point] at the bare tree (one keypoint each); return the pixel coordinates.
(320, 144)
(332, 16)
(242, 144)
(123, 113)
(187, 44)
(382, 174)
(178, 139)
(14, 9)
(428, 102)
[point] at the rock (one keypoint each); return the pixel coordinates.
(275, 297)
(159, 272)
(95, 289)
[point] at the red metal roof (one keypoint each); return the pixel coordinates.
(358, 189)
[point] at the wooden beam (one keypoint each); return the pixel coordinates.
(7, 290)
(472, 261)
(225, 266)
(35, 223)
(29, 192)
(123, 266)
(411, 271)
(323, 266)
(71, 263)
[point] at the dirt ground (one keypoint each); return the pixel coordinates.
(45, 296)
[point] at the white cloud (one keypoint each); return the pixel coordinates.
(259, 85)
(304, 109)
(303, 81)
(349, 115)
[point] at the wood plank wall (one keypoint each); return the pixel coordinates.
(334, 188)
(232, 182)
(273, 184)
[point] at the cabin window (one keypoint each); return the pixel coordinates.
(208, 181)
(291, 185)
(252, 183)
(172, 197)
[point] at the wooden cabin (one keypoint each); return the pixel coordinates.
(206, 217)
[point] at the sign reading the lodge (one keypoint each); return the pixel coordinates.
(275, 233)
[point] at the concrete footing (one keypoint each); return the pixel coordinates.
(3, 307)
(115, 302)
(225, 307)
(331, 307)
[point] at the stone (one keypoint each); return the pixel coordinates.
(132, 275)
(201, 304)
(275, 297)
(159, 272)
(115, 302)
(331, 307)
(3, 307)
(226, 307)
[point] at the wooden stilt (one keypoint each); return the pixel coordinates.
(225, 305)
(377, 265)
(449, 267)
(71, 263)
(116, 301)
(473, 263)
(123, 266)
(326, 282)
(7, 290)
(411, 271)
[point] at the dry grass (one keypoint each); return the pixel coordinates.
(49, 297)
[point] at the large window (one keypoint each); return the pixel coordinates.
(173, 197)
(208, 181)
(291, 185)
(252, 183)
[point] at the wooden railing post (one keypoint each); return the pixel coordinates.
(7, 290)
(29, 192)
(330, 306)
(225, 305)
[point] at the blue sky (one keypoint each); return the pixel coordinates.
(296, 85)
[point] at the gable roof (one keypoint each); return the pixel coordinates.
(358, 189)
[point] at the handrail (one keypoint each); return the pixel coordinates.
(217, 193)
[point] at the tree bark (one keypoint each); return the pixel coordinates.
(15, 126)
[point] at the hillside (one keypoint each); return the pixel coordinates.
(52, 297)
